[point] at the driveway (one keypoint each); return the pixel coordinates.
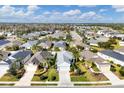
(112, 77)
(64, 79)
(3, 70)
(26, 79)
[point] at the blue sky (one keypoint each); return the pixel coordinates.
(62, 14)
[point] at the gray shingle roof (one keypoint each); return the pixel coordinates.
(2, 42)
(113, 54)
(22, 54)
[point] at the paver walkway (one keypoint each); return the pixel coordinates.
(26, 79)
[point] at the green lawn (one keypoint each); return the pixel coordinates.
(89, 63)
(97, 48)
(99, 84)
(50, 73)
(6, 84)
(79, 78)
(8, 77)
(43, 84)
(117, 73)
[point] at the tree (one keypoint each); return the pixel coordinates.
(80, 47)
(113, 69)
(122, 71)
(2, 37)
(15, 47)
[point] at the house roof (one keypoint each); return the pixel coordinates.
(3, 42)
(22, 54)
(40, 57)
(30, 43)
(58, 34)
(64, 57)
(98, 59)
(60, 44)
(45, 44)
(88, 54)
(113, 54)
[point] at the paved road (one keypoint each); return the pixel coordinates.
(64, 79)
(26, 79)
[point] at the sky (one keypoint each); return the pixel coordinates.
(62, 14)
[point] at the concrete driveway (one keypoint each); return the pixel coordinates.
(26, 79)
(112, 77)
(64, 79)
(3, 70)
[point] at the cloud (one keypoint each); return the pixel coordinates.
(118, 8)
(10, 11)
(90, 15)
(32, 8)
(72, 12)
(34, 14)
(102, 10)
(7, 10)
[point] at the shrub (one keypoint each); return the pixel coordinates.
(94, 50)
(43, 77)
(122, 71)
(53, 78)
(113, 69)
(118, 65)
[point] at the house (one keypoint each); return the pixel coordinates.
(46, 44)
(32, 35)
(60, 44)
(87, 55)
(16, 42)
(4, 42)
(58, 34)
(29, 44)
(103, 66)
(40, 57)
(22, 55)
(94, 42)
(64, 60)
(114, 56)
(12, 37)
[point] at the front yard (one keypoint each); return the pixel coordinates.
(86, 74)
(8, 77)
(50, 75)
(115, 68)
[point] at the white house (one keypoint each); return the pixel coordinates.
(64, 60)
(29, 44)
